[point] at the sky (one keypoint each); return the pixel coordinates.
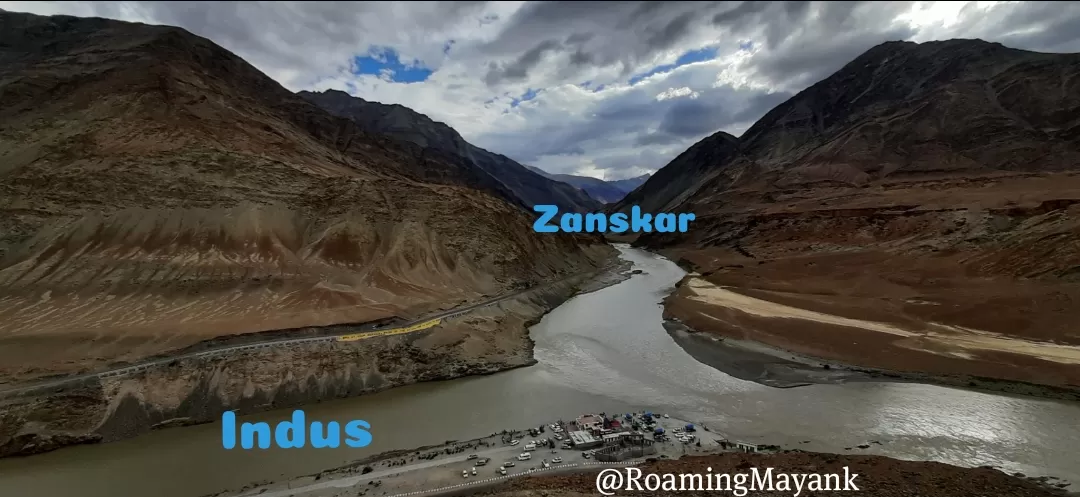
(604, 89)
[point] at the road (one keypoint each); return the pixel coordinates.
(411, 327)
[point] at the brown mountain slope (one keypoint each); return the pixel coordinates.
(157, 190)
(930, 186)
(406, 124)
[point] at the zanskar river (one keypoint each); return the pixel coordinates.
(602, 351)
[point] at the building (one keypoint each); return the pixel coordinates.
(746, 447)
(590, 422)
(583, 440)
(613, 438)
(626, 446)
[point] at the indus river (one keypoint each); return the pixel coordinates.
(602, 351)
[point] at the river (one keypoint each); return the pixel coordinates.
(602, 351)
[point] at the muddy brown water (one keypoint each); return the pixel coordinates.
(603, 351)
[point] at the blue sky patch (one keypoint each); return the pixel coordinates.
(746, 46)
(384, 61)
(525, 97)
(699, 55)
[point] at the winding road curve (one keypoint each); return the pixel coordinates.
(411, 327)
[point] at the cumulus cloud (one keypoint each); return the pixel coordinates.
(608, 89)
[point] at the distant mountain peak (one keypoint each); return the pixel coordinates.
(406, 124)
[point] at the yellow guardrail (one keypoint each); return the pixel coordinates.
(393, 331)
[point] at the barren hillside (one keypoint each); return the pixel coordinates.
(157, 190)
(933, 186)
(408, 125)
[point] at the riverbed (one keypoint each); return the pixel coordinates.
(602, 351)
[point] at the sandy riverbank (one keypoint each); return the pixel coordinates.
(779, 361)
(801, 336)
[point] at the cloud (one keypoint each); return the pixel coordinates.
(511, 76)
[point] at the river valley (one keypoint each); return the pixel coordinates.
(602, 351)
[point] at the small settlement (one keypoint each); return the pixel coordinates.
(619, 437)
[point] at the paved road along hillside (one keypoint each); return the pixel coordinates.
(417, 325)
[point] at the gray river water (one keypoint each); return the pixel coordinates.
(603, 351)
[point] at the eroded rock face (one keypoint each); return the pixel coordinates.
(157, 191)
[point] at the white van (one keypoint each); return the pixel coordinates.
(530, 446)
(524, 456)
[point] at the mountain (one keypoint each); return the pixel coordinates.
(406, 124)
(919, 184)
(156, 191)
(604, 191)
(629, 184)
(901, 110)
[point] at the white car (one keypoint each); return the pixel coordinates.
(524, 456)
(530, 446)
(502, 471)
(464, 474)
(556, 460)
(474, 471)
(514, 442)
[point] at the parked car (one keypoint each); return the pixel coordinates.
(464, 474)
(474, 471)
(502, 471)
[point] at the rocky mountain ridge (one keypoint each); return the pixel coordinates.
(900, 110)
(156, 190)
(408, 125)
(601, 190)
